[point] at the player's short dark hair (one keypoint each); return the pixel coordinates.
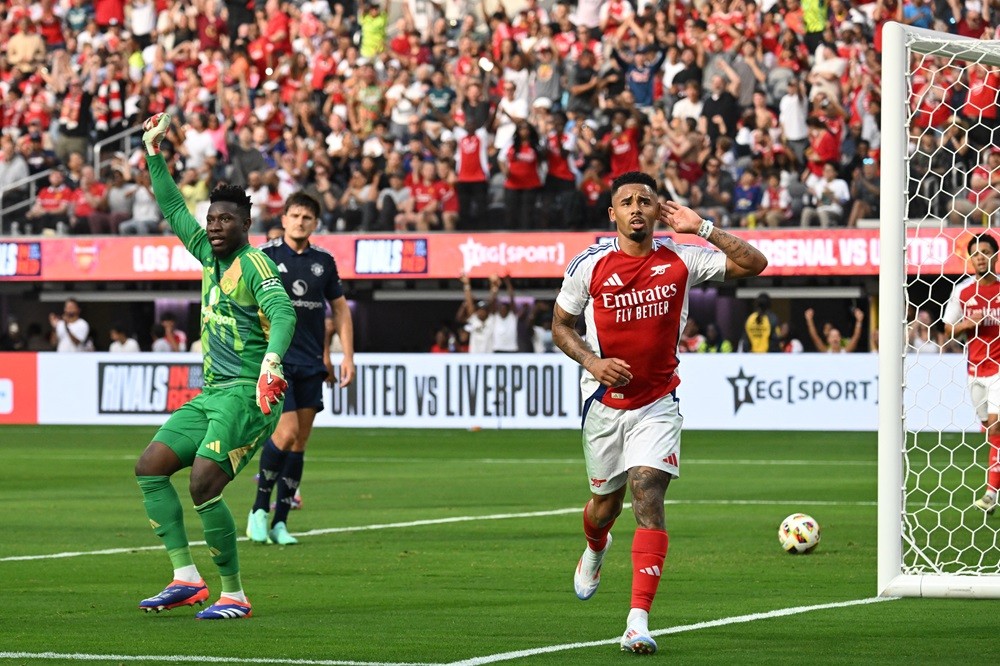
(304, 200)
(632, 178)
(233, 194)
(983, 238)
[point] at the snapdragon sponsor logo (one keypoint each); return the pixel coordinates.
(475, 254)
(789, 389)
(308, 305)
(210, 316)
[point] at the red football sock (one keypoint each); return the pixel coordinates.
(649, 550)
(597, 537)
(993, 471)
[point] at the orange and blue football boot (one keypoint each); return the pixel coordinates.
(226, 608)
(178, 593)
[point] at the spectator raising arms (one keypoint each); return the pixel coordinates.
(831, 341)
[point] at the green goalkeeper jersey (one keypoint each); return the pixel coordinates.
(245, 310)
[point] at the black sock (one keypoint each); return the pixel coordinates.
(272, 461)
(291, 475)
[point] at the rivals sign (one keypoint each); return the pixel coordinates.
(147, 388)
(20, 259)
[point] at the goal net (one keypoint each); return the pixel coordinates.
(940, 188)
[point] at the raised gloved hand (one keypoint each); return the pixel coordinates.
(155, 130)
(271, 384)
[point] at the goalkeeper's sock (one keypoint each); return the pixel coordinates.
(291, 476)
(649, 551)
(220, 535)
(597, 537)
(233, 588)
(993, 471)
(188, 574)
(272, 461)
(166, 516)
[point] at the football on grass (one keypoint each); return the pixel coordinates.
(799, 533)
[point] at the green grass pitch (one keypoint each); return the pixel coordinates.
(485, 570)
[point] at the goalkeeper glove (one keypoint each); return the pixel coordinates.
(155, 130)
(271, 384)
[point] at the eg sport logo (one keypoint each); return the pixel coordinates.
(791, 389)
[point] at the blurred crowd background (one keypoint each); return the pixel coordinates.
(456, 115)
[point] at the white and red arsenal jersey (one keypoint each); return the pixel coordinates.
(635, 309)
(472, 163)
(971, 299)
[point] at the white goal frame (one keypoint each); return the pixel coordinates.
(899, 41)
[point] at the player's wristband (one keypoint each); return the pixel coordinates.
(705, 230)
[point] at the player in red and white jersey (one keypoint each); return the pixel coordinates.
(633, 293)
(974, 310)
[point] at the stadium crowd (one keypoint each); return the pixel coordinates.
(424, 115)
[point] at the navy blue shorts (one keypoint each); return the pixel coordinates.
(305, 388)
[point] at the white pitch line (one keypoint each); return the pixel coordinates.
(739, 619)
(435, 521)
(156, 659)
(473, 661)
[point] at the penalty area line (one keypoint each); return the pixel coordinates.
(183, 659)
(710, 624)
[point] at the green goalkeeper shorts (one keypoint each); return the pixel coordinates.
(224, 425)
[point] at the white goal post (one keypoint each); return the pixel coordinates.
(931, 541)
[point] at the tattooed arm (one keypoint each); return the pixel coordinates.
(742, 259)
(608, 371)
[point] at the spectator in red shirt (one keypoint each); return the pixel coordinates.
(446, 193)
(971, 24)
(50, 214)
(596, 192)
(823, 147)
(276, 28)
(210, 26)
(88, 200)
(522, 184)
(109, 12)
(559, 193)
(622, 143)
(980, 107)
(441, 341)
(473, 173)
(421, 212)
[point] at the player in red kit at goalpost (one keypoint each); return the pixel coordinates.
(633, 293)
(974, 310)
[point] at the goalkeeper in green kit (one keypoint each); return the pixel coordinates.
(247, 322)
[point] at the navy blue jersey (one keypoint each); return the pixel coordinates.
(311, 280)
